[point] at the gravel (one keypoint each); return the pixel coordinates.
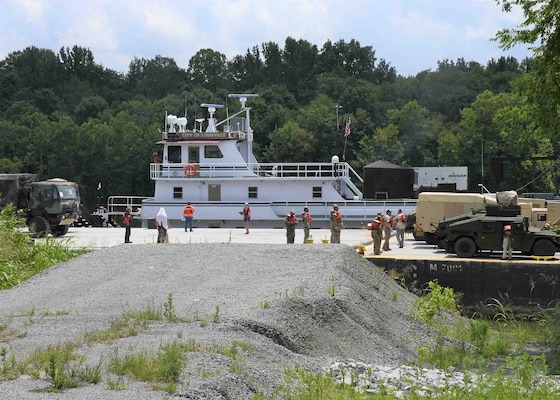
(293, 305)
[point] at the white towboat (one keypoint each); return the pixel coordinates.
(216, 171)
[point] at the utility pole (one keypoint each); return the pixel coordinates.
(337, 123)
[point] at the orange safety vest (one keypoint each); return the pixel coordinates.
(246, 212)
(376, 223)
(291, 219)
(188, 211)
(305, 215)
(337, 215)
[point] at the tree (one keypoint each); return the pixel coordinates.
(290, 143)
(208, 68)
(541, 30)
(156, 77)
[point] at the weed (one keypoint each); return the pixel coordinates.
(437, 300)
(169, 310)
(216, 315)
(265, 304)
(331, 289)
(394, 295)
(163, 368)
(117, 384)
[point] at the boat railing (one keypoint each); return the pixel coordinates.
(273, 170)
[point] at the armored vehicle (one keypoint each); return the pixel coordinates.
(471, 236)
(440, 233)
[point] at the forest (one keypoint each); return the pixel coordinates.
(64, 115)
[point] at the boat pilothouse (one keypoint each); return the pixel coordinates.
(215, 169)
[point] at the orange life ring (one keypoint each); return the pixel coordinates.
(190, 170)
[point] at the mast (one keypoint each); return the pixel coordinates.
(243, 99)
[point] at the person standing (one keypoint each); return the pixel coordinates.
(188, 215)
(127, 222)
(377, 233)
(507, 247)
(336, 224)
(401, 227)
(246, 217)
(291, 222)
(387, 226)
(306, 222)
(162, 223)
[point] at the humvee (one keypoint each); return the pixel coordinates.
(440, 233)
(471, 236)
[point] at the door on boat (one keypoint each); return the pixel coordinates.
(194, 155)
(214, 192)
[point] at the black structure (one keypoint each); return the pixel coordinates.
(385, 180)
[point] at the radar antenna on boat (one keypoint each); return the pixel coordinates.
(211, 110)
(243, 97)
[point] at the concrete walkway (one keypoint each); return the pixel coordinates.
(96, 238)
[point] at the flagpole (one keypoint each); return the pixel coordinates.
(344, 152)
(346, 134)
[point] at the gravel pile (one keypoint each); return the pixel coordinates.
(289, 305)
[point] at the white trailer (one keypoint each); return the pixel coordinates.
(432, 177)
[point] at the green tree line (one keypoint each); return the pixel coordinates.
(64, 115)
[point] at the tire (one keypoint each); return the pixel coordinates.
(544, 247)
(60, 230)
(39, 227)
(465, 247)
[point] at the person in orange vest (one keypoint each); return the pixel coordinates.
(127, 222)
(246, 217)
(377, 233)
(291, 222)
(387, 227)
(188, 215)
(306, 222)
(336, 224)
(507, 247)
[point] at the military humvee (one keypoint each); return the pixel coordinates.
(471, 236)
(441, 231)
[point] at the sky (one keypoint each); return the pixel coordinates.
(411, 35)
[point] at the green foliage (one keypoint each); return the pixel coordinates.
(20, 258)
(436, 300)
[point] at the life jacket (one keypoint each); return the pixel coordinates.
(376, 223)
(188, 211)
(305, 215)
(126, 219)
(403, 218)
(291, 219)
(336, 214)
(246, 212)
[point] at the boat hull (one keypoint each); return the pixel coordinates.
(356, 214)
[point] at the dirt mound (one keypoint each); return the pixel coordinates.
(284, 305)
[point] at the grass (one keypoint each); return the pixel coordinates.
(21, 258)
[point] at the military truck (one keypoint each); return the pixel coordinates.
(440, 233)
(484, 232)
(49, 206)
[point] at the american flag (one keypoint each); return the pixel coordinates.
(347, 127)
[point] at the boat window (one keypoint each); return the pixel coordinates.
(177, 192)
(174, 154)
(193, 154)
(212, 151)
(317, 192)
(253, 192)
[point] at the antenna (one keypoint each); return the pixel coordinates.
(243, 97)
(211, 110)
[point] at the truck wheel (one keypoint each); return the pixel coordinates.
(39, 227)
(544, 247)
(465, 247)
(60, 230)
